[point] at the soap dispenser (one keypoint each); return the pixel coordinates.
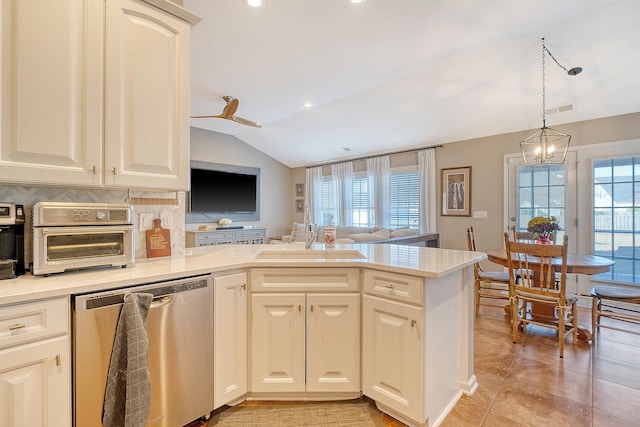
(329, 236)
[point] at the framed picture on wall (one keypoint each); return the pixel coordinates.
(300, 205)
(299, 190)
(456, 191)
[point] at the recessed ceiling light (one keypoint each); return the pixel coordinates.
(255, 3)
(357, 1)
(307, 105)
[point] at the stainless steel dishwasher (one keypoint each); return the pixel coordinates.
(180, 330)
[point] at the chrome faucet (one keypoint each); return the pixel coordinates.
(309, 235)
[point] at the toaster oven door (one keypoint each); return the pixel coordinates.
(57, 249)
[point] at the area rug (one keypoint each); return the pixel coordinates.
(303, 414)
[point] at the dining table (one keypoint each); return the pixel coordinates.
(576, 264)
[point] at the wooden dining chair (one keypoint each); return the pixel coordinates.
(522, 236)
(528, 237)
(616, 303)
(491, 287)
(532, 280)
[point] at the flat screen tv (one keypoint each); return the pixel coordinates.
(223, 191)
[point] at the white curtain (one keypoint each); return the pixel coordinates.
(378, 171)
(342, 183)
(313, 195)
(427, 174)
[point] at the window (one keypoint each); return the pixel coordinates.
(404, 203)
(541, 192)
(616, 216)
(327, 201)
(404, 199)
(362, 212)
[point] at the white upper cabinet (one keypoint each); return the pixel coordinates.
(147, 97)
(94, 93)
(51, 87)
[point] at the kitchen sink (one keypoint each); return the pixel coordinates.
(309, 254)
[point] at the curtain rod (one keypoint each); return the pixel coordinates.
(370, 157)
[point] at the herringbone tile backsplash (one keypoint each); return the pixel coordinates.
(28, 196)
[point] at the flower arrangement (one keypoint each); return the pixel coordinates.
(542, 226)
(225, 221)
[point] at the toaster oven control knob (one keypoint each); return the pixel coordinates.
(100, 215)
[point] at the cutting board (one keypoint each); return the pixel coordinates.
(158, 240)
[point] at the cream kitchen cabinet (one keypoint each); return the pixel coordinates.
(392, 349)
(230, 338)
(417, 333)
(303, 338)
(35, 365)
(94, 94)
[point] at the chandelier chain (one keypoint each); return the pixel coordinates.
(544, 108)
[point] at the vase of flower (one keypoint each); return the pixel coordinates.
(543, 227)
(543, 239)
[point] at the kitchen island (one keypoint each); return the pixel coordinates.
(412, 308)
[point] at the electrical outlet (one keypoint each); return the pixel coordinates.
(145, 221)
(165, 220)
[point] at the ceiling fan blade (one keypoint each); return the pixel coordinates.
(208, 117)
(230, 108)
(245, 122)
(228, 111)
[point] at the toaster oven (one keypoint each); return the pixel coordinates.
(72, 236)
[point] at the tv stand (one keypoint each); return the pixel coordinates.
(235, 235)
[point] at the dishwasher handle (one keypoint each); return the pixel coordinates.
(158, 290)
(158, 302)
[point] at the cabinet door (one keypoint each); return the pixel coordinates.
(277, 342)
(393, 368)
(35, 385)
(51, 87)
(333, 342)
(146, 97)
(230, 338)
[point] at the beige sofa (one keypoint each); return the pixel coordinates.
(346, 234)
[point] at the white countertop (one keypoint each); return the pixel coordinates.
(417, 261)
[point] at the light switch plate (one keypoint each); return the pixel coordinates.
(479, 214)
(145, 221)
(165, 220)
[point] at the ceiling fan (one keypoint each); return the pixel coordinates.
(228, 113)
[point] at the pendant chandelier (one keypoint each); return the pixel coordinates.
(547, 146)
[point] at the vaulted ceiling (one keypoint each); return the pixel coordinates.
(390, 75)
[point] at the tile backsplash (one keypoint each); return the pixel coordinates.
(147, 202)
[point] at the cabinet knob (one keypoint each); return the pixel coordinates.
(311, 307)
(244, 286)
(114, 170)
(58, 360)
(93, 169)
(299, 308)
(413, 323)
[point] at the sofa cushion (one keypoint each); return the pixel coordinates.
(403, 232)
(370, 237)
(297, 233)
(343, 231)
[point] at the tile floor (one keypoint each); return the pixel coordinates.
(527, 384)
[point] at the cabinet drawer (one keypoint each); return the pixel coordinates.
(33, 321)
(304, 279)
(395, 286)
(216, 235)
(249, 233)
